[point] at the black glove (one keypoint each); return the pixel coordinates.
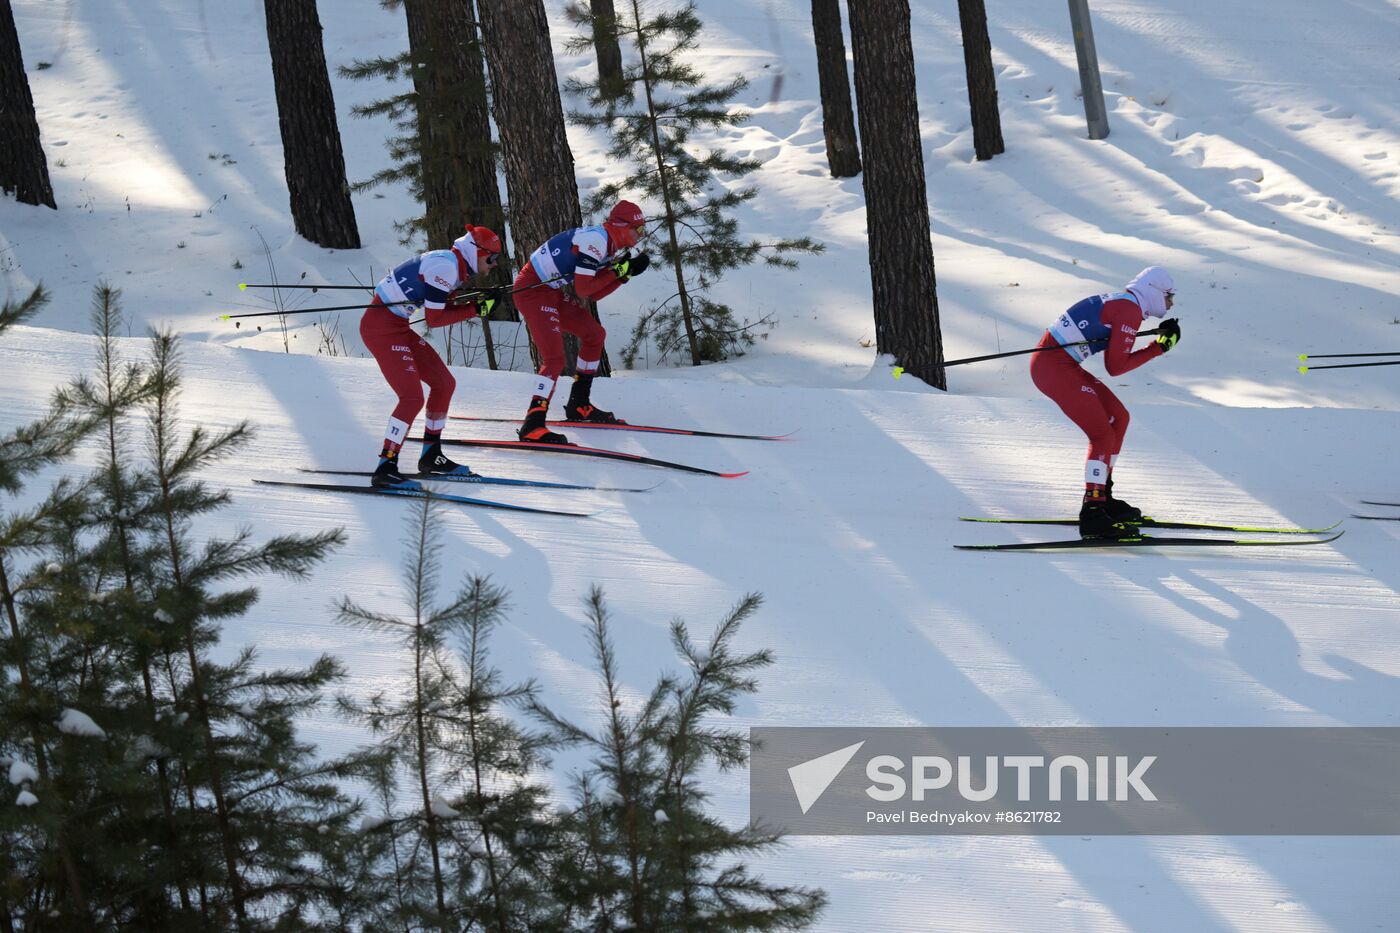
(632, 266)
(1168, 333)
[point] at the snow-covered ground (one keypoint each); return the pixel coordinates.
(1255, 151)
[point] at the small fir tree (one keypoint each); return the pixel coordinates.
(228, 725)
(43, 881)
(647, 855)
(652, 117)
(460, 837)
(142, 764)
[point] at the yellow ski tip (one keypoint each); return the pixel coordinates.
(242, 286)
(225, 317)
(898, 371)
(1302, 369)
(1302, 357)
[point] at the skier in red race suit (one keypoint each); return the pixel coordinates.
(1111, 323)
(407, 361)
(570, 267)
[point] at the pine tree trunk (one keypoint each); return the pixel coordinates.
(606, 47)
(896, 198)
(24, 172)
(539, 164)
(454, 131)
(981, 79)
(315, 165)
(228, 845)
(662, 173)
(65, 854)
(421, 762)
(456, 158)
(838, 122)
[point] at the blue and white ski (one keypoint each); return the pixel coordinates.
(467, 476)
(414, 490)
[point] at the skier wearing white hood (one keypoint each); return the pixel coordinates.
(1110, 324)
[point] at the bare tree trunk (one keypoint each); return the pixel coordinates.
(682, 293)
(838, 122)
(981, 79)
(315, 165)
(26, 686)
(454, 129)
(455, 155)
(539, 164)
(896, 197)
(24, 172)
(485, 193)
(606, 47)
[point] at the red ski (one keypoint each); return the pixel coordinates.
(645, 428)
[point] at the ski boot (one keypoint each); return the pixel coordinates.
(535, 430)
(1119, 510)
(387, 475)
(434, 462)
(579, 408)
(1095, 521)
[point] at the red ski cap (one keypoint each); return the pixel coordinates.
(626, 214)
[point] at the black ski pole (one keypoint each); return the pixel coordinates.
(243, 286)
(483, 292)
(359, 307)
(1308, 369)
(998, 356)
(1304, 357)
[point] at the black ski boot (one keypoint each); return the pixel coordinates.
(387, 475)
(1119, 510)
(579, 408)
(1096, 522)
(434, 461)
(535, 430)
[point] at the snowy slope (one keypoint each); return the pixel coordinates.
(846, 530)
(1255, 150)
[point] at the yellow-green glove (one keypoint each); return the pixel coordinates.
(1168, 333)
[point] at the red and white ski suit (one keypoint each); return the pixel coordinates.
(567, 269)
(406, 359)
(1084, 399)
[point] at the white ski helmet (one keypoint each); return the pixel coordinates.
(1151, 286)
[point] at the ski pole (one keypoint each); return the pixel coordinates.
(477, 293)
(243, 286)
(501, 290)
(997, 356)
(1308, 369)
(360, 307)
(1304, 357)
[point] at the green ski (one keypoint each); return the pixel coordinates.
(1161, 523)
(1141, 541)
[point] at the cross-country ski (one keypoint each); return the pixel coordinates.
(1144, 541)
(466, 476)
(639, 428)
(414, 491)
(1147, 522)
(579, 451)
